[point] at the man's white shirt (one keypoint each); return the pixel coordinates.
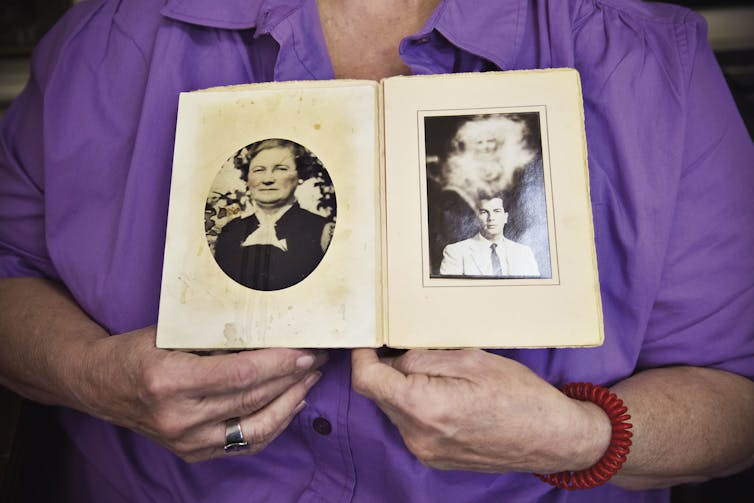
(472, 257)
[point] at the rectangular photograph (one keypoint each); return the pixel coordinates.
(487, 201)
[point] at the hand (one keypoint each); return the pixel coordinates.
(473, 410)
(182, 400)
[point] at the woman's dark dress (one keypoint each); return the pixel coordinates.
(267, 267)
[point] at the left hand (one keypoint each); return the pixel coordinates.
(473, 410)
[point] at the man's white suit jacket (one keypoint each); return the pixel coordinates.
(472, 257)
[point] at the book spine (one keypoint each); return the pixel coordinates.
(381, 269)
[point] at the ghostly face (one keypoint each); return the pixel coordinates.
(272, 177)
(485, 154)
(485, 146)
(492, 217)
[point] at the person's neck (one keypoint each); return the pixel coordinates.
(271, 212)
(491, 238)
(363, 36)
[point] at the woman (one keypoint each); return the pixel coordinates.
(280, 243)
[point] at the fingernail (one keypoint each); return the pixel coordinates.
(312, 378)
(304, 362)
(299, 407)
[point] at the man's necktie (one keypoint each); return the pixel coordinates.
(497, 269)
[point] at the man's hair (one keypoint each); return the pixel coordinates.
(490, 197)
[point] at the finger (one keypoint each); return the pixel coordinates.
(207, 375)
(376, 380)
(441, 363)
(207, 440)
(243, 403)
(261, 428)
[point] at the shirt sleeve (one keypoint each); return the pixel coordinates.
(25, 136)
(704, 311)
(451, 262)
(23, 251)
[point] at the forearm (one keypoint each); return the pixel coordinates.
(44, 334)
(690, 424)
(55, 354)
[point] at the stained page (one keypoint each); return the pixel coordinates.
(273, 224)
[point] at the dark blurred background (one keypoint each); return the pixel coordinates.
(30, 440)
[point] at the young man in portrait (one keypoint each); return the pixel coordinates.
(489, 253)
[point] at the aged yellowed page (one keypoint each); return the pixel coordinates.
(335, 124)
(454, 141)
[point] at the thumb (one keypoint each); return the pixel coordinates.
(376, 380)
(439, 362)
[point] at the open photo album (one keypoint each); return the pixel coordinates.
(441, 211)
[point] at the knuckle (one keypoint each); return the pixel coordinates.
(169, 428)
(156, 385)
(244, 375)
(189, 456)
(193, 448)
(421, 450)
(251, 401)
(433, 414)
(437, 413)
(417, 401)
(261, 431)
(472, 356)
(190, 459)
(411, 360)
(360, 383)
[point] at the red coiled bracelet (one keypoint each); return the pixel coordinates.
(620, 441)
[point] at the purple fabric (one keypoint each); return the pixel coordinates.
(84, 175)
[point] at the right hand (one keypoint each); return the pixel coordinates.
(182, 400)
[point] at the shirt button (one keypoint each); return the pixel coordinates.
(422, 40)
(322, 426)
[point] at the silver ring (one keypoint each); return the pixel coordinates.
(234, 440)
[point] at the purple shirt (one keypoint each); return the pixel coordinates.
(85, 170)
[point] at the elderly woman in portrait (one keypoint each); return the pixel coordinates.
(280, 243)
(486, 155)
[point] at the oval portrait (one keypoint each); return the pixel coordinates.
(270, 214)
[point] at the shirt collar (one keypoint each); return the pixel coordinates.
(485, 243)
(491, 29)
(266, 219)
(231, 14)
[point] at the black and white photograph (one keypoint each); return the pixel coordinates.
(486, 197)
(270, 214)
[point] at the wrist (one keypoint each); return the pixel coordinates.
(573, 439)
(620, 440)
(75, 362)
(42, 326)
(590, 433)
